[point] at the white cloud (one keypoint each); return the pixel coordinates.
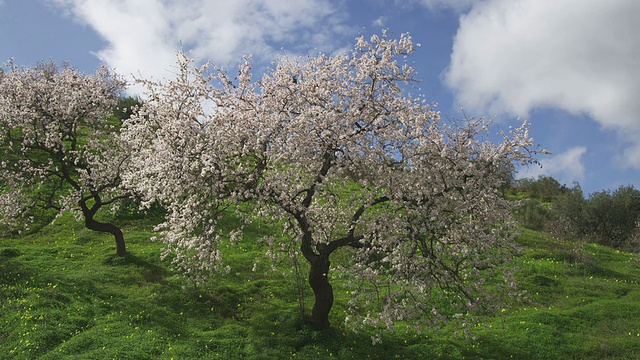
(567, 167)
(379, 22)
(511, 56)
(631, 156)
(143, 35)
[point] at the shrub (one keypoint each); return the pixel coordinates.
(545, 188)
(533, 214)
(607, 217)
(612, 216)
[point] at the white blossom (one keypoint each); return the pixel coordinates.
(59, 146)
(333, 148)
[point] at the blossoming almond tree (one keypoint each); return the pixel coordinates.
(335, 151)
(58, 147)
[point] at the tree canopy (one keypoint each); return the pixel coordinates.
(59, 144)
(332, 149)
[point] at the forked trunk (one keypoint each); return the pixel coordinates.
(319, 281)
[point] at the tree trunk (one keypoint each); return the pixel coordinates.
(319, 281)
(94, 225)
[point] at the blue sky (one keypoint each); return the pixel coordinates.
(570, 67)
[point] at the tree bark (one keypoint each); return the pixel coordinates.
(323, 291)
(94, 225)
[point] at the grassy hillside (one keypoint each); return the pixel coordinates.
(63, 294)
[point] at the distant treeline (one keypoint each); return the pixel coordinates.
(608, 217)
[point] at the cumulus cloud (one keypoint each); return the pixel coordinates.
(511, 56)
(567, 166)
(143, 35)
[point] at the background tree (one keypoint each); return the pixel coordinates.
(544, 188)
(58, 146)
(331, 149)
(612, 215)
(607, 217)
(541, 198)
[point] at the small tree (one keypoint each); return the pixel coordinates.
(569, 211)
(58, 143)
(332, 149)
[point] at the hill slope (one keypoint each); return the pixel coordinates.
(63, 294)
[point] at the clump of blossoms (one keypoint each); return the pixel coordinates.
(336, 151)
(58, 144)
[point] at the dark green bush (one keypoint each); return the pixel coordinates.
(533, 214)
(612, 216)
(607, 217)
(544, 188)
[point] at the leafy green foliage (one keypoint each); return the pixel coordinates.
(544, 188)
(612, 216)
(539, 198)
(533, 214)
(607, 217)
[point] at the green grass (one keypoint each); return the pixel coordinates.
(64, 294)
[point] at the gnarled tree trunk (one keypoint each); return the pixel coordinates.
(94, 225)
(319, 281)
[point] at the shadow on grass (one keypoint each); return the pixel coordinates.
(152, 273)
